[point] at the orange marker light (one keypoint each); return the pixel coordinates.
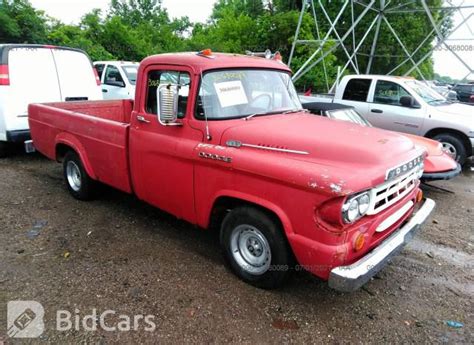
(206, 52)
(419, 195)
(359, 242)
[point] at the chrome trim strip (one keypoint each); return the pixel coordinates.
(237, 144)
(276, 149)
(351, 277)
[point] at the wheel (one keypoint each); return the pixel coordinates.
(255, 247)
(3, 149)
(453, 146)
(79, 184)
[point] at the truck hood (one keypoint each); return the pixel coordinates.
(457, 109)
(347, 148)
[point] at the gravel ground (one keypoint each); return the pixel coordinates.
(117, 253)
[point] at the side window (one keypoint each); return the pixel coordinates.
(100, 69)
(155, 78)
(387, 92)
(113, 77)
(357, 90)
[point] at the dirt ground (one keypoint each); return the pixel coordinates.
(117, 253)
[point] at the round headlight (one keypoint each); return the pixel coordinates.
(364, 202)
(353, 210)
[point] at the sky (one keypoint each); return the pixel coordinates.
(71, 11)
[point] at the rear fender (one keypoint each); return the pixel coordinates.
(71, 141)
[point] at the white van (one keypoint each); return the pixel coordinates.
(32, 73)
(118, 78)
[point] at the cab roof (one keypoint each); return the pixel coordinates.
(215, 61)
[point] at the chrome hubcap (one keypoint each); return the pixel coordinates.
(450, 150)
(73, 175)
(250, 249)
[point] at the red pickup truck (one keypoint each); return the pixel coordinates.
(222, 141)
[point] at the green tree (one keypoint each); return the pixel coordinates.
(21, 23)
(251, 8)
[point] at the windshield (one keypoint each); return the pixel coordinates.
(348, 115)
(131, 73)
(240, 93)
(429, 95)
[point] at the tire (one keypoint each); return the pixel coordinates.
(255, 247)
(454, 145)
(78, 183)
(3, 149)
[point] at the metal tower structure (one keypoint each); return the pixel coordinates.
(383, 9)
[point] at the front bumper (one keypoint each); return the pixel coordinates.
(446, 175)
(351, 277)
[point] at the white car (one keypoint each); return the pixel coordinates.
(118, 78)
(406, 105)
(37, 74)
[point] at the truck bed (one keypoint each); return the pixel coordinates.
(96, 130)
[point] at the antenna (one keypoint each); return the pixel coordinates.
(208, 134)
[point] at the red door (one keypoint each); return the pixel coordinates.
(162, 156)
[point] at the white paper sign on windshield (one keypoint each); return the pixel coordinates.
(231, 93)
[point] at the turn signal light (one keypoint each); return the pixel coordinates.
(359, 242)
(419, 195)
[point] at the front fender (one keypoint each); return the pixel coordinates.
(257, 201)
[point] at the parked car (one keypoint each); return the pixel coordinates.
(406, 105)
(465, 92)
(39, 73)
(118, 78)
(443, 89)
(438, 164)
(221, 141)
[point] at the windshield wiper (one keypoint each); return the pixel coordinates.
(257, 114)
(295, 111)
(274, 112)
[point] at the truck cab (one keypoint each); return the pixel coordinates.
(222, 141)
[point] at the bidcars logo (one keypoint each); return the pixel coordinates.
(403, 169)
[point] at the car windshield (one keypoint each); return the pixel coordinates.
(238, 93)
(348, 115)
(131, 72)
(429, 95)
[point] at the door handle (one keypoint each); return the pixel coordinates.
(378, 111)
(105, 90)
(142, 119)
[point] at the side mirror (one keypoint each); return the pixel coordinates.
(409, 102)
(167, 104)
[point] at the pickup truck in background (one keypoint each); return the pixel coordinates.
(406, 105)
(221, 141)
(118, 78)
(438, 164)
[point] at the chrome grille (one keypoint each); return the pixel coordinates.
(388, 193)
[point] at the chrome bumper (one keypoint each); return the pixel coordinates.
(352, 277)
